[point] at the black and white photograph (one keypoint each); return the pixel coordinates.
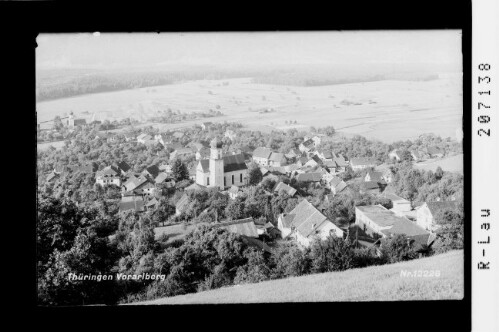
(249, 167)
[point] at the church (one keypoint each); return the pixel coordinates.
(221, 171)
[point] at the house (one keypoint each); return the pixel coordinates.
(123, 167)
(282, 187)
(182, 205)
(234, 191)
(370, 187)
(164, 178)
(305, 222)
(340, 163)
(221, 171)
(427, 212)
(435, 152)
(261, 156)
(230, 134)
(133, 182)
(181, 153)
(379, 222)
(206, 125)
(395, 155)
(362, 163)
(293, 154)
(147, 187)
(325, 154)
(152, 204)
(317, 140)
(400, 205)
(131, 203)
(307, 146)
(314, 161)
(128, 137)
(301, 161)
(416, 156)
(310, 177)
(151, 171)
(387, 176)
(142, 138)
(277, 159)
(336, 185)
(374, 176)
(109, 175)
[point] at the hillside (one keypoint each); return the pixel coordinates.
(375, 283)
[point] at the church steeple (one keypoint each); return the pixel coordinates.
(216, 165)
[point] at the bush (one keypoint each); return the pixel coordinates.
(289, 261)
(398, 248)
(332, 254)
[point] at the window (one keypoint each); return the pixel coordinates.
(241, 177)
(225, 181)
(207, 181)
(232, 178)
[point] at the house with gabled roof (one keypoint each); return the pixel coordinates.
(151, 171)
(109, 175)
(152, 204)
(416, 156)
(311, 177)
(282, 187)
(122, 166)
(134, 203)
(307, 146)
(336, 185)
(325, 154)
(164, 178)
(362, 163)
(261, 156)
(427, 213)
(293, 154)
(379, 222)
(277, 159)
(370, 187)
(305, 223)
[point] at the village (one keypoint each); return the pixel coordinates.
(231, 172)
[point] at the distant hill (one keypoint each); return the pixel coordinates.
(374, 283)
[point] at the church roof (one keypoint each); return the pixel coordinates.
(232, 162)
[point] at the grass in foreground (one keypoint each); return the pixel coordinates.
(374, 283)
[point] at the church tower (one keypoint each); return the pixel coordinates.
(216, 165)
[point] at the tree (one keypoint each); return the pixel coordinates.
(398, 248)
(331, 254)
(439, 173)
(255, 175)
(179, 171)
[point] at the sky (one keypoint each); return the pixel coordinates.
(107, 50)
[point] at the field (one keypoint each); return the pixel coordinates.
(375, 283)
(450, 164)
(385, 110)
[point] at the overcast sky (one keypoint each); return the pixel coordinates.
(255, 48)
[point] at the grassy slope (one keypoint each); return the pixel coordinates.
(375, 283)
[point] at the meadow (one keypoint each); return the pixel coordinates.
(374, 283)
(387, 110)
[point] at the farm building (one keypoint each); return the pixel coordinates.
(427, 212)
(378, 222)
(310, 177)
(362, 163)
(305, 222)
(221, 171)
(261, 156)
